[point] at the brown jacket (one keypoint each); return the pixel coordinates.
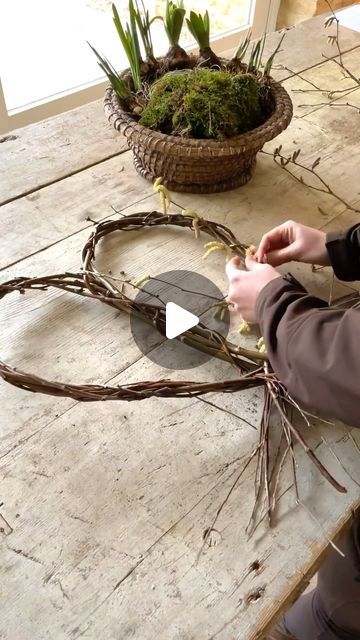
(315, 349)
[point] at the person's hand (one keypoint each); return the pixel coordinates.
(293, 241)
(245, 286)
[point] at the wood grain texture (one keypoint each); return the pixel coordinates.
(112, 506)
(327, 76)
(50, 150)
(38, 220)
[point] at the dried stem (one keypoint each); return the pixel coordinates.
(232, 488)
(332, 104)
(230, 413)
(284, 162)
(345, 69)
(339, 461)
(319, 525)
(336, 20)
(309, 452)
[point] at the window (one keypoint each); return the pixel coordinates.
(46, 66)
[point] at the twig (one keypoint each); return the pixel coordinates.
(221, 507)
(278, 476)
(261, 474)
(276, 502)
(329, 92)
(318, 523)
(309, 452)
(334, 103)
(335, 19)
(304, 413)
(339, 461)
(342, 66)
(283, 162)
(344, 104)
(230, 413)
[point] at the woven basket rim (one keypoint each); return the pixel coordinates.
(276, 122)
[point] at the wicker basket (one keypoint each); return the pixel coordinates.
(199, 166)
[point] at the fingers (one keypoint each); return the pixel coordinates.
(278, 238)
(252, 263)
(232, 267)
(270, 241)
(281, 256)
(263, 248)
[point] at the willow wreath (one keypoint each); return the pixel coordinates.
(252, 367)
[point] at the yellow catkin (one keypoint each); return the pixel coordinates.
(139, 283)
(262, 349)
(163, 193)
(196, 228)
(244, 327)
(211, 247)
(190, 213)
(196, 220)
(214, 243)
(250, 251)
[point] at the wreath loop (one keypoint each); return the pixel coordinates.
(252, 367)
(90, 283)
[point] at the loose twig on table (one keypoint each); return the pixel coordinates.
(285, 162)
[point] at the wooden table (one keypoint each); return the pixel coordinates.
(103, 506)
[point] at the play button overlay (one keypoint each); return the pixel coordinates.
(189, 299)
(178, 320)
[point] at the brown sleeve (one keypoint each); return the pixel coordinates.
(313, 349)
(344, 252)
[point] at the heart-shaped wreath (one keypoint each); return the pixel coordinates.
(253, 368)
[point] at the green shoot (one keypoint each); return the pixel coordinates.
(130, 42)
(174, 20)
(144, 25)
(243, 47)
(269, 63)
(116, 81)
(199, 27)
(254, 60)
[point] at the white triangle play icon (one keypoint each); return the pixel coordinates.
(178, 320)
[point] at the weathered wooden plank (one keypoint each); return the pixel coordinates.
(83, 479)
(327, 76)
(38, 220)
(112, 507)
(306, 45)
(339, 165)
(55, 148)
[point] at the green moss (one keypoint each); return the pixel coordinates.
(203, 104)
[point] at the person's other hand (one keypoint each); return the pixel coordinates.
(245, 286)
(293, 241)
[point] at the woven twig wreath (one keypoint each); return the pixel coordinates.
(252, 366)
(92, 284)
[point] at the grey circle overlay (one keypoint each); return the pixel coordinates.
(192, 292)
